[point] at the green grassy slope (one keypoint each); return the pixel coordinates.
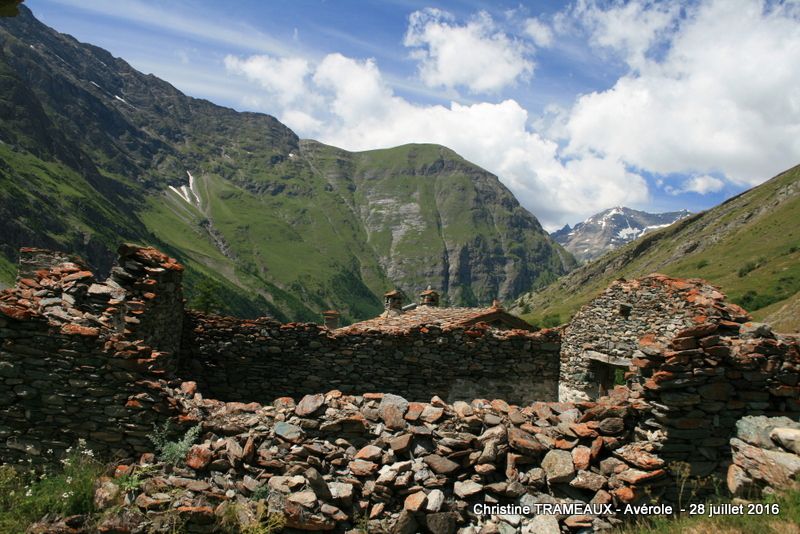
(784, 316)
(749, 246)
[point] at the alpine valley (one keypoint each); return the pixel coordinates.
(93, 153)
(749, 246)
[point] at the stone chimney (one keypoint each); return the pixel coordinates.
(393, 302)
(429, 297)
(330, 319)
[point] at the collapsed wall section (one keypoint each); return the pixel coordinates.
(81, 358)
(232, 359)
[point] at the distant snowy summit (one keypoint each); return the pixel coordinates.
(610, 229)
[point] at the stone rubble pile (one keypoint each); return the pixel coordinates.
(67, 295)
(766, 456)
(377, 462)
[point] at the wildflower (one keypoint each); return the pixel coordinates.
(69, 480)
(29, 492)
(49, 451)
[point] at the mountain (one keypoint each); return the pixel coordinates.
(93, 152)
(749, 246)
(611, 229)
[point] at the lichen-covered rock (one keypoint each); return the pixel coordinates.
(558, 466)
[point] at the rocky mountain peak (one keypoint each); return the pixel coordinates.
(610, 229)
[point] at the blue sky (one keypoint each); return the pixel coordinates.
(577, 107)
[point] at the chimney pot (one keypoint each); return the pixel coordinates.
(429, 297)
(331, 319)
(393, 301)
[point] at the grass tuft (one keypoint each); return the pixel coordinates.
(787, 520)
(27, 496)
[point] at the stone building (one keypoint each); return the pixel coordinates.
(397, 317)
(602, 339)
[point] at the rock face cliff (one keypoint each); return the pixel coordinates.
(94, 152)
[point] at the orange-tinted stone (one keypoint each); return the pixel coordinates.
(198, 457)
(75, 329)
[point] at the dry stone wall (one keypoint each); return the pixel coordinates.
(706, 379)
(766, 456)
(257, 360)
(80, 358)
(609, 328)
(693, 357)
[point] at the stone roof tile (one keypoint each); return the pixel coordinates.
(445, 318)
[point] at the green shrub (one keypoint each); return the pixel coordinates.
(131, 480)
(26, 496)
(173, 452)
(206, 296)
(551, 320)
(745, 269)
(261, 492)
(702, 263)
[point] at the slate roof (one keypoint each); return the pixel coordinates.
(443, 317)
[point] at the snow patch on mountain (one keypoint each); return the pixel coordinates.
(610, 229)
(189, 192)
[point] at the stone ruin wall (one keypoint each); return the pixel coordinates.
(80, 358)
(231, 359)
(696, 360)
(83, 358)
(602, 327)
(104, 361)
(706, 379)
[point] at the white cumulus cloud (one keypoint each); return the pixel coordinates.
(725, 97)
(630, 29)
(283, 77)
(476, 55)
(702, 185)
(540, 32)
